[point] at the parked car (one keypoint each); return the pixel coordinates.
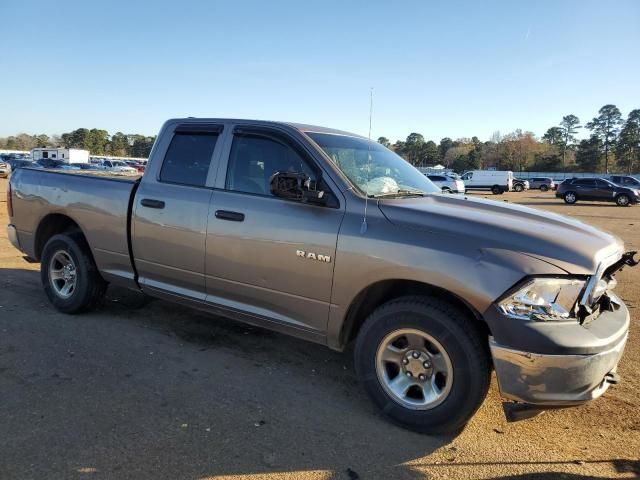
(520, 185)
(115, 166)
(625, 181)
(543, 183)
(20, 163)
(283, 226)
(447, 183)
(496, 181)
(5, 168)
(596, 189)
(86, 166)
(56, 164)
(137, 165)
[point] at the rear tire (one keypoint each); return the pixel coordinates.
(623, 200)
(69, 275)
(544, 188)
(570, 198)
(437, 336)
(496, 190)
(446, 190)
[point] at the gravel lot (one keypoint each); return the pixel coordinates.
(147, 389)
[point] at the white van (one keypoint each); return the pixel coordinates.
(497, 181)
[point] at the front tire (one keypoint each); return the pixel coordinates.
(544, 188)
(69, 275)
(424, 362)
(518, 187)
(623, 200)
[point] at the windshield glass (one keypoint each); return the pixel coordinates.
(119, 164)
(372, 168)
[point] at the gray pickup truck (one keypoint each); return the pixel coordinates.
(321, 234)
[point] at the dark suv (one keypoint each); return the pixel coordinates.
(596, 189)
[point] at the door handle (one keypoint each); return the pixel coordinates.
(151, 203)
(232, 216)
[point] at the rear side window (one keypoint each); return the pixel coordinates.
(585, 182)
(188, 158)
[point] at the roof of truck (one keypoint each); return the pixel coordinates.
(298, 126)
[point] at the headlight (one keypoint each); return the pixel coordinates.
(544, 299)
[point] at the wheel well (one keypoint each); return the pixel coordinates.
(381, 292)
(49, 226)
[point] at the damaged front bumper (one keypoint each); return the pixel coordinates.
(554, 380)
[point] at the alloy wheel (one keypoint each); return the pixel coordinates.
(414, 369)
(62, 274)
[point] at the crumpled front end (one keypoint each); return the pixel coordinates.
(549, 364)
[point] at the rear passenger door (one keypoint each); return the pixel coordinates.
(171, 212)
(585, 188)
(269, 257)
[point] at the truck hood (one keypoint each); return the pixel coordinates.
(569, 244)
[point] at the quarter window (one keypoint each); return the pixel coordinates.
(188, 158)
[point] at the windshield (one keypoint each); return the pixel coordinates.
(372, 168)
(119, 164)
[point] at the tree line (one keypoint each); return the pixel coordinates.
(613, 145)
(97, 141)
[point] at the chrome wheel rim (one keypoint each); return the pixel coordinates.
(414, 369)
(62, 274)
(623, 200)
(570, 197)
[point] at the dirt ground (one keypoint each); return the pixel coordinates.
(147, 389)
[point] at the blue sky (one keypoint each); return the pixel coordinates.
(453, 69)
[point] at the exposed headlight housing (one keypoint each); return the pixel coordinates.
(544, 299)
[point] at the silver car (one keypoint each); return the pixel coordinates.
(5, 169)
(543, 183)
(447, 183)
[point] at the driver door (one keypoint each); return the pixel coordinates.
(266, 256)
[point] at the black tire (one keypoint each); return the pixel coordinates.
(518, 187)
(623, 200)
(570, 198)
(496, 190)
(446, 190)
(463, 342)
(89, 285)
(544, 188)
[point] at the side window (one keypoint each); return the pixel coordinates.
(587, 182)
(188, 158)
(467, 176)
(255, 158)
(45, 154)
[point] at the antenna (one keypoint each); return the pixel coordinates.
(363, 227)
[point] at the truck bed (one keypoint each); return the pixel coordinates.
(99, 205)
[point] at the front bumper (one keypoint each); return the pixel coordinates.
(555, 380)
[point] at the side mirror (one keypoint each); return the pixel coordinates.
(296, 186)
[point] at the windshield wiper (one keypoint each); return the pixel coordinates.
(400, 193)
